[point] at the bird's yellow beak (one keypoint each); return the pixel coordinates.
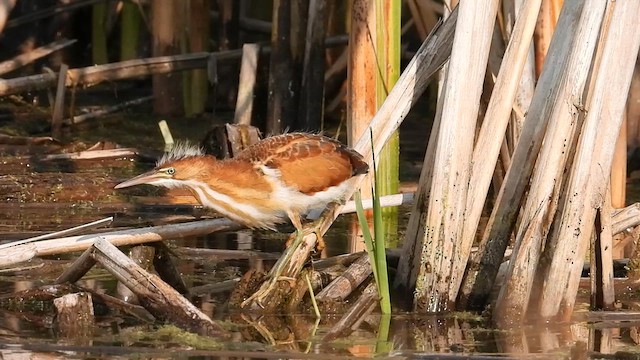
(146, 178)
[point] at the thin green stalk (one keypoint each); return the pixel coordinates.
(366, 234)
(379, 241)
(383, 345)
(313, 296)
(375, 245)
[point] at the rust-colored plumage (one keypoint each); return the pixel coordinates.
(277, 178)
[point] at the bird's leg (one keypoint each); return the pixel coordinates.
(275, 274)
(293, 243)
(301, 232)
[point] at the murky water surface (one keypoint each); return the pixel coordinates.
(41, 197)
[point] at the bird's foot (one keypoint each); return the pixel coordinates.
(314, 227)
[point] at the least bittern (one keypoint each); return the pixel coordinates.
(277, 178)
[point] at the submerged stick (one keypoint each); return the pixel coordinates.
(356, 314)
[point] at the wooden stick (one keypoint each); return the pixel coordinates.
(155, 295)
(344, 285)
(17, 254)
(167, 269)
(33, 55)
(94, 75)
(106, 110)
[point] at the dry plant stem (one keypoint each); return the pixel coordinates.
(623, 219)
(490, 140)
(26, 252)
(411, 255)
(356, 314)
(542, 199)
(33, 55)
(155, 295)
(443, 257)
(345, 284)
(601, 258)
(362, 74)
(412, 83)
(606, 110)
(246, 84)
(498, 231)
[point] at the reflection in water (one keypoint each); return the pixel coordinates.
(400, 334)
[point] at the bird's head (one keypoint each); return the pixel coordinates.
(184, 162)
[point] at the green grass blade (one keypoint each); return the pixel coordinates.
(366, 234)
(380, 255)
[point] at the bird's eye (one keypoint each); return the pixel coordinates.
(170, 171)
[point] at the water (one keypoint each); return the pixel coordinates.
(62, 194)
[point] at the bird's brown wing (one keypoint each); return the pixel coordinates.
(306, 162)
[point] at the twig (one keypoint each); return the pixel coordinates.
(66, 232)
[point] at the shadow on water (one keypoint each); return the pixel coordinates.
(61, 195)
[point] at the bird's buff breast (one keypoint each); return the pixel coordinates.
(265, 213)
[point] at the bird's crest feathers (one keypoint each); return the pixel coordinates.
(181, 150)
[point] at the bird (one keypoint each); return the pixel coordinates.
(277, 179)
